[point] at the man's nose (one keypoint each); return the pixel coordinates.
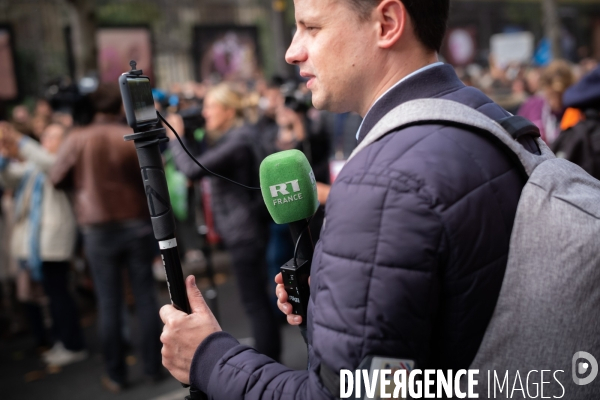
(296, 53)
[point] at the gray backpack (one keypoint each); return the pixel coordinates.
(546, 325)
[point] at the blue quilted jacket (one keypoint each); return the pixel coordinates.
(411, 257)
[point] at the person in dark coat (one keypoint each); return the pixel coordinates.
(415, 244)
(580, 143)
(585, 94)
(237, 211)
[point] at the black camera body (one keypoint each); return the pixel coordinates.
(138, 102)
(296, 99)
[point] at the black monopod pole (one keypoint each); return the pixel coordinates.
(163, 222)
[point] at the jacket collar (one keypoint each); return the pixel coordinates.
(434, 82)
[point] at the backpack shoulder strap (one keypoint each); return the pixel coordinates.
(439, 111)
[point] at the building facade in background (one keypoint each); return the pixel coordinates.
(190, 39)
(481, 19)
(45, 36)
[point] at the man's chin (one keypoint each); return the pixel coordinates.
(319, 101)
(328, 105)
(318, 105)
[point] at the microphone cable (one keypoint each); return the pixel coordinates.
(197, 162)
(229, 180)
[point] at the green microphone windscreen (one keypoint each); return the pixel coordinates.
(288, 186)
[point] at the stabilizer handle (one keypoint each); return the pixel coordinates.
(159, 204)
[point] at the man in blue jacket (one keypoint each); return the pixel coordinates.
(412, 256)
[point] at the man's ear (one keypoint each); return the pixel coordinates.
(393, 20)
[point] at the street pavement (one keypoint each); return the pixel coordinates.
(23, 375)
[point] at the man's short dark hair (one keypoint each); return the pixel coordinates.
(107, 99)
(429, 18)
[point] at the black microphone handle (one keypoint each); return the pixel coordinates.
(296, 272)
(306, 247)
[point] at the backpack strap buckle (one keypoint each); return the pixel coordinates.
(519, 126)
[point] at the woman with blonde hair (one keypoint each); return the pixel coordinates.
(238, 212)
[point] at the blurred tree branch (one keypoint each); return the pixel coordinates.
(281, 35)
(83, 36)
(552, 26)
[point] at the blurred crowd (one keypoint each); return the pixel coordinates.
(74, 226)
(531, 91)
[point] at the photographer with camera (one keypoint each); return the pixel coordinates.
(411, 258)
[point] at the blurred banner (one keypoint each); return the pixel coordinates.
(8, 78)
(117, 46)
(226, 52)
(509, 48)
(460, 46)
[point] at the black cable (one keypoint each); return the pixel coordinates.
(196, 161)
(300, 238)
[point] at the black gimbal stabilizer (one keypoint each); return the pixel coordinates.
(142, 117)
